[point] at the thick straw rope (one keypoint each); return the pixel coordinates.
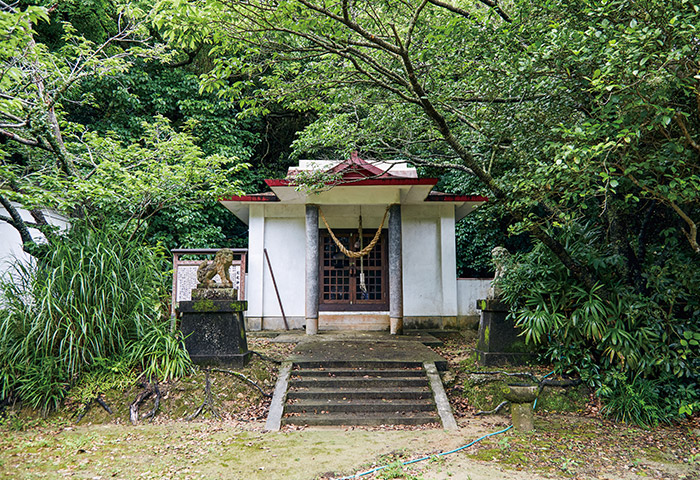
(364, 251)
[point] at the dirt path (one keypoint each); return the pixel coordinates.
(179, 450)
(208, 451)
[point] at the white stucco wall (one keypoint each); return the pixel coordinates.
(11, 242)
(429, 262)
(429, 253)
(285, 242)
(469, 290)
(280, 229)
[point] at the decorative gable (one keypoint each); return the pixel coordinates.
(356, 168)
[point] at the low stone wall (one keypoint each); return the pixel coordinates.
(469, 290)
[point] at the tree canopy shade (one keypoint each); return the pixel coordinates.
(581, 92)
(579, 119)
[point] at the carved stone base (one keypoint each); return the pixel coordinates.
(219, 293)
(214, 330)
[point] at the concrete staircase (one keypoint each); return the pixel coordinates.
(364, 393)
(360, 379)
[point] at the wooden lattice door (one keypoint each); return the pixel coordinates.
(341, 288)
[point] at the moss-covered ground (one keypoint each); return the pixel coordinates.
(570, 440)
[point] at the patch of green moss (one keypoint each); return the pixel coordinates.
(655, 455)
(499, 454)
(556, 399)
(486, 396)
(205, 306)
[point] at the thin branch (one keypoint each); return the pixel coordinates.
(493, 4)
(692, 232)
(354, 27)
(494, 411)
(500, 99)
(412, 25)
(452, 8)
(15, 219)
(686, 134)
(24, 141)
(244, 378)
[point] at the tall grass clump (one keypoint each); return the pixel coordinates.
(91, 296)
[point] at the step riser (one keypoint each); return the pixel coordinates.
(362, 421)
(358, 383)
(359, 373)
(316, 410)
(360, 364)
(340, 394)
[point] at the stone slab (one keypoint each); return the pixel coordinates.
(441, 401)
(204, 306)
(491, 359)
(497, 333)
(279, 397)
(358, 336)
(214, 293)
(356, 351)
(492, 305)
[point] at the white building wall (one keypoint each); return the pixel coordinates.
(254, 282)
(11, 242)
(280, 229)
(469, 290)
(448, 247)
(433, 297)
(429, 272)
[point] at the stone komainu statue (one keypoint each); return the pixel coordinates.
(220, 265)
(500, 257)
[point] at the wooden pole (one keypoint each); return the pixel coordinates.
(269, 265)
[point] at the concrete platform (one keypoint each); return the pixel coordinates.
(350, 351)
(300, 336)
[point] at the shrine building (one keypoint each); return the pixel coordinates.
(375, 250)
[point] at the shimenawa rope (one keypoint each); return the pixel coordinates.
(364, 251)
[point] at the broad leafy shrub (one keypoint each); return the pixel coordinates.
(634, 348)
(92, 296)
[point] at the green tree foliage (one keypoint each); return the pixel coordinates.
(123, 172)
(580, 120)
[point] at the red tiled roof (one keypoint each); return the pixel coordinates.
(368, 181)
(451, 197)
(253, 197)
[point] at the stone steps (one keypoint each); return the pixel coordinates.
(357, 364)
(361, 405)
(358, 372)
(359, 393)
(352, 419)
(353, 382)
(365, 393)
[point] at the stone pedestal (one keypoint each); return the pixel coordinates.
(521, 398)
(499, 342)
(213, 326)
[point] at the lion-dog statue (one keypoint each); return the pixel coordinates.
(220, 265)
